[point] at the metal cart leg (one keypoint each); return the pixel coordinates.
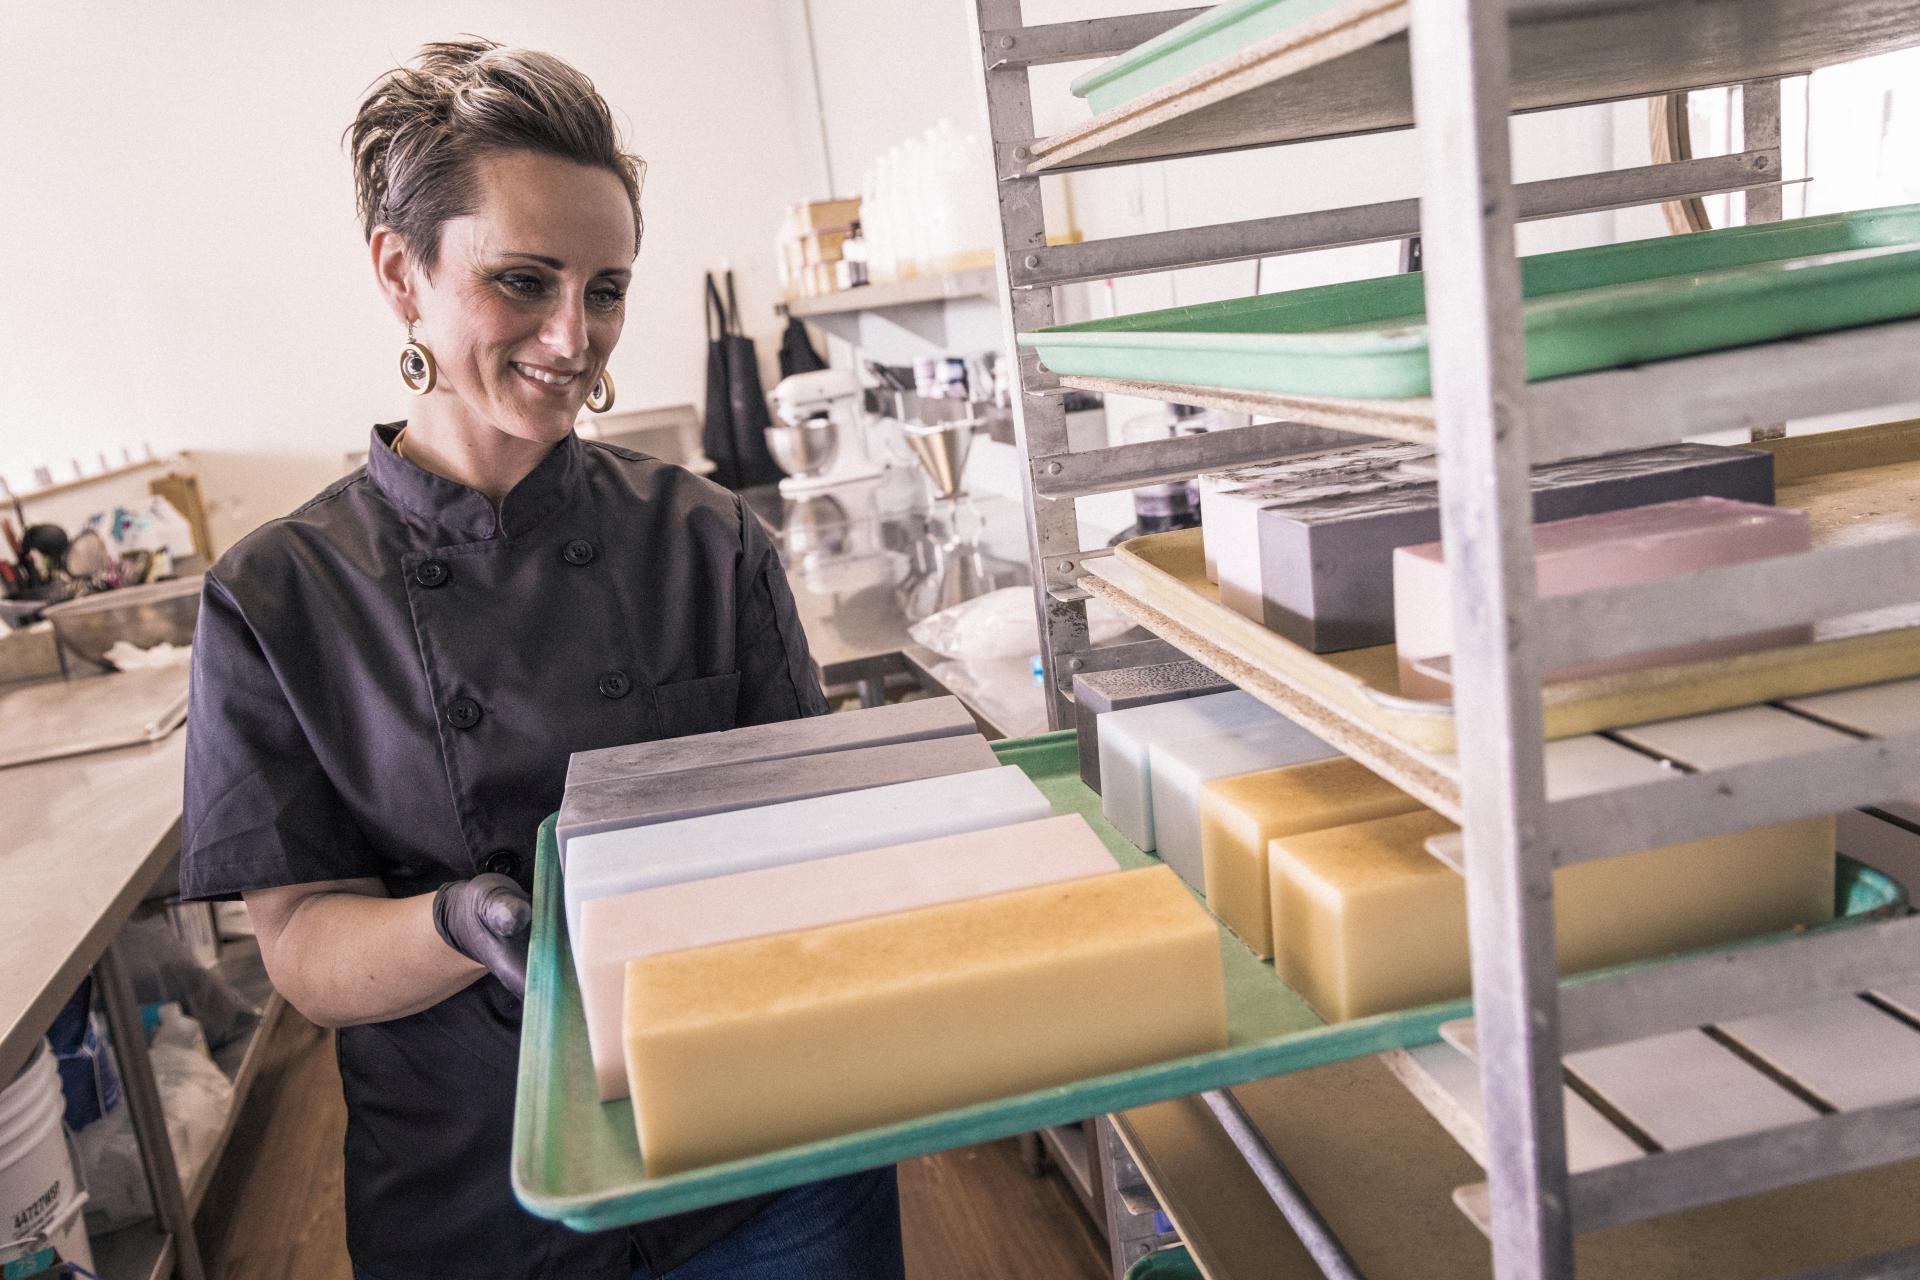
(1760, 130)
(1133, 1229)
(1033, 1155)
(143, 1107)
(1461, 93)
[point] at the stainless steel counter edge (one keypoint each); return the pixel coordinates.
(86, 838)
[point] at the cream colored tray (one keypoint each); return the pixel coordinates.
(1856, 486)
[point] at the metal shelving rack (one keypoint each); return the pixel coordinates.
(1472, 63)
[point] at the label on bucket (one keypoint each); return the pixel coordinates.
(37, 1215)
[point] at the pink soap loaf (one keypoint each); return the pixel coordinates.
(1589, 553)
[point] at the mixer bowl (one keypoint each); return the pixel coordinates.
(804, 449)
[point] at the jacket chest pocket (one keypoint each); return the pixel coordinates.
(706, 705)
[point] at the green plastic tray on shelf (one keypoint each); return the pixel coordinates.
(1584, 309)
(577, 1160)
(1188, 47)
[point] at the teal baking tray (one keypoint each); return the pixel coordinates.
(577, 1159)
(1584, 309)
(1191, 45)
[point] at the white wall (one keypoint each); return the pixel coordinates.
(184, 264)
(188, 273)
(929, 70)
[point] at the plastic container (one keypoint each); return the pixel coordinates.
(1585, 309)
(40, 1195)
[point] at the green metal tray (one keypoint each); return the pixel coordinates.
(1188, 47)
(577, 1160)
(1585, 309)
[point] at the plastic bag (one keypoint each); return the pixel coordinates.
(162, 969)
(88, 1078)
(1002, 624)
(195, 1095)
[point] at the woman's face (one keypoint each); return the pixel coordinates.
(528, 297)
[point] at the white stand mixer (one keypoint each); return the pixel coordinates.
(819, 438)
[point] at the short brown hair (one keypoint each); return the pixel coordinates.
(421, 127)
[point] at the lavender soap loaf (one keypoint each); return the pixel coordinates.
(1325, 562)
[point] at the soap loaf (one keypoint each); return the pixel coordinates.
(1317, 470)
(806, 895)
(1366, 921)
(653, 798)
(1096, 694)
(610, 862)
(1326, 564)
(1589, 553)
(1240, 816)
(752, 1046)
(873, 727)
(1181, 769)
(1126, 795)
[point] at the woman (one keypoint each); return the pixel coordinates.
(387, 683)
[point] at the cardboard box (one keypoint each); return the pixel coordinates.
(824, 215)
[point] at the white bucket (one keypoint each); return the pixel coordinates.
(39, 1192)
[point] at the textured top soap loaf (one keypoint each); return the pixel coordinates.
(875, 727)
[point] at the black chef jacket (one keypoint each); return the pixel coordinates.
(388, 683)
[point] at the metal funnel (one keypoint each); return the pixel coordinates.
(942, 449)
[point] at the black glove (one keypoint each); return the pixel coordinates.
(486, 919)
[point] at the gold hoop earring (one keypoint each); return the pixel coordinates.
(600, 399)
(417, 368)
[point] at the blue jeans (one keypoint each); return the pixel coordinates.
(842, 1229)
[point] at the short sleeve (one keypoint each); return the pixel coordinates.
(777, 680)
(259, 809)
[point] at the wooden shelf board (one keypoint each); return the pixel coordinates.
(1382, 1172)
(81, 482)
(911, 292)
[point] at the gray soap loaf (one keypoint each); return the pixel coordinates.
(1326, 564)
(667, 797)
(876, 727)
(1103, 691)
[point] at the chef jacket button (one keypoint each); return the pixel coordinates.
(500, 862)
(578, 552)
(615, 684)
(463, 713)
(432, 573)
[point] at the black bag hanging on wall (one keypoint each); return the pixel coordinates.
(796, 351)
(735, 432)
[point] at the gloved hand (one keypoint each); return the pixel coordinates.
(487, 919)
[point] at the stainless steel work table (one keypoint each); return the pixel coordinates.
(87, 837)
(867, 560)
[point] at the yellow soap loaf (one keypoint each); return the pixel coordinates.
(750, 1046)
(1240, 816)
(1366, 921)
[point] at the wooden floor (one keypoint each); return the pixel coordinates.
(274, 1211)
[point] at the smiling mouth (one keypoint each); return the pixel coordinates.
(545, 376)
